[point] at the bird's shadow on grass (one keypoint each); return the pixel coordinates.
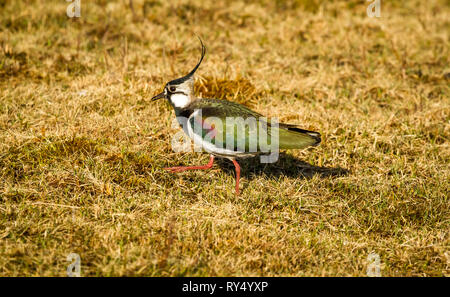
(287, 166)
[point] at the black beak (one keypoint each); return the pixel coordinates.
(159, 96)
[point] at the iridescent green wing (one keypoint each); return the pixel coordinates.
(231, 125)
(225, 124)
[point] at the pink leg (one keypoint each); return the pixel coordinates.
(238, 175)
(183, 168)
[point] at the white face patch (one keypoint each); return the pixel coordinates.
(179, 100)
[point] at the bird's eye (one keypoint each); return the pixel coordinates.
(172, 89)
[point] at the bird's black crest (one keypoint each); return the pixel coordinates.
(185, 78)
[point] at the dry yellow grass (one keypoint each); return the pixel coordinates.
(81, 146)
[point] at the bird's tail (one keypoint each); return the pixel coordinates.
(292, 137)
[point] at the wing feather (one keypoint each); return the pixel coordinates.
(231, 125)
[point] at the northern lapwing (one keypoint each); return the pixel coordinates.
(203, 120)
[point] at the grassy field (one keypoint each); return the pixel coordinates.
(82, 148)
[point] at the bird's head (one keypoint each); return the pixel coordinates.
(180, 91)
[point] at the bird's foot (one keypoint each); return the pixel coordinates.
(184, 168)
